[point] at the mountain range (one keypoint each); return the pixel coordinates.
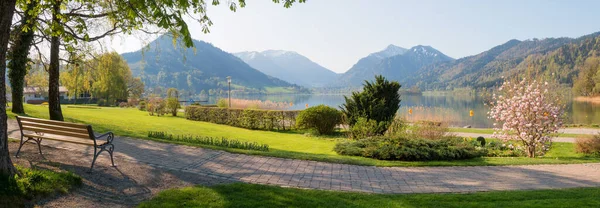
(394, 62)
(164, 64)
(429, 69)
(289, 66)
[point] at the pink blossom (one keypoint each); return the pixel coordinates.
(527, 112)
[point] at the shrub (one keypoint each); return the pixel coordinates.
(378, 101)
(245, 118)
(172, 106)
(123, 105)
(397, 148)
(481, 140)
(223, 103)
(101, 102)
(505, 149)
(321, 118)
(172, 103)
(397, 127)
(430, 130)
(588, 145)
(223, 142)
(142, 105)
(156, 105)
(132, 102)
(363, 128)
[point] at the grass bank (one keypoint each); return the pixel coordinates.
(134, 123)
(32, 184)
(491, 131)
(249, 195)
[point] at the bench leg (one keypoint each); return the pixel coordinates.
(111, 149)
(39, 143)
(94, 160)
(20, 145)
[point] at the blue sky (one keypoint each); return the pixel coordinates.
(336, 33)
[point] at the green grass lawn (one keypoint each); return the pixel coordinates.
(249, 195)
(134, 123)
(491, 131)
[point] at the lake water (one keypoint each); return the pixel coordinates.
(452, 109)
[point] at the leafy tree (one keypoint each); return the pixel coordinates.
(528, 112)
(37, 79)
(78, 79)
(173, 101)
(589, 75)
(135, 87)
(378, 101)
(110, 72)
(7, 8)
(24, 36)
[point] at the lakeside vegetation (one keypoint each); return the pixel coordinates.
(250, 195)
(288, 144)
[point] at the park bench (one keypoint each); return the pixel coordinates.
(36, 129)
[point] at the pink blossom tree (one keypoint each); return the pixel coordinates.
(528, 112)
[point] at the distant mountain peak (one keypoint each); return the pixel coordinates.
(275, 53)
(424, 50)
(389, 51)
(289, 66)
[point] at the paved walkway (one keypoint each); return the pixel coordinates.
(328, 176)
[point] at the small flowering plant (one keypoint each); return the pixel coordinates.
(526, 112)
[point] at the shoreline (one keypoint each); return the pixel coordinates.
(588, 99)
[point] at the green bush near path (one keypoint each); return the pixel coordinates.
(133, 123)
(320, 118)
(249, 195)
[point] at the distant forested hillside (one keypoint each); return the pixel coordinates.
(162, 65)
(562, 57)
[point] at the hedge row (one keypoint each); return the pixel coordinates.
(245, 118)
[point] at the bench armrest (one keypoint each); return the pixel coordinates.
(109, 136)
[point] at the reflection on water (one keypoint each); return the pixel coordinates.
(453, 109)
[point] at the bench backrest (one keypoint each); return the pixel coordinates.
(74, 130)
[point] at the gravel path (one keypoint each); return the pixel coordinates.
(203, 164)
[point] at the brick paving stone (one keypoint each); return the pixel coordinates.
(319, 175)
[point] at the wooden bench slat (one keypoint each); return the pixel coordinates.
(50, 126)
(51, 122)
(56, 132)
(76, 141)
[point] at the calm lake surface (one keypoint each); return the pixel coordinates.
(452, 109)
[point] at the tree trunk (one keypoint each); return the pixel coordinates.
(7, 8)
(54, 71)
(19, 59)
(531, 151)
